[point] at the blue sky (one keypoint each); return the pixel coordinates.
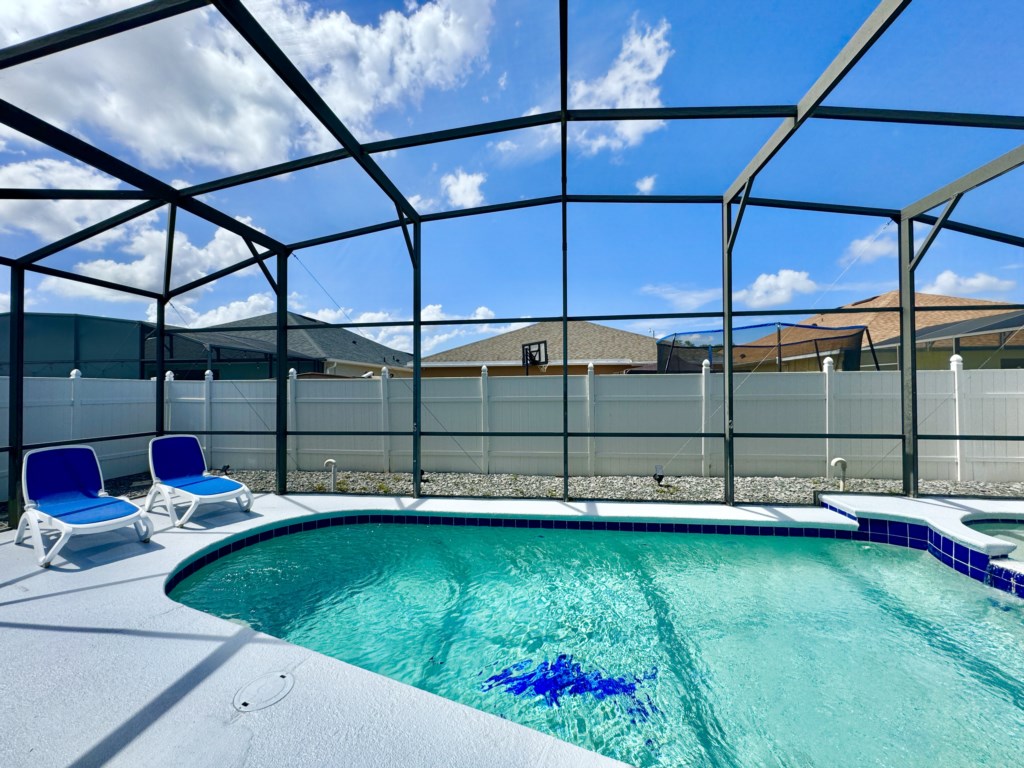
(188, 101)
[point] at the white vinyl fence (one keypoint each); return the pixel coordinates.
(989, 402)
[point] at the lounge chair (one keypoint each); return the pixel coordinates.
(63, 489)
(179, 468)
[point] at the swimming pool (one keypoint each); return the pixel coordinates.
(657, 649)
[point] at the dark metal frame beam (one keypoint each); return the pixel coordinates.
(908, 358)
(97, 29)
(89, 232)
(563, 88)
(16, 396)
(14, 193)
(936, 228)
(281, 403)
(913, 117)
(873, 28)
(417, 359)
(728, 441)
(72, 146)
(986, 173)
(247, 26)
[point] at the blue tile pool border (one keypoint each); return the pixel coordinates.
(206, 557)
(961, 558)
(976, 565)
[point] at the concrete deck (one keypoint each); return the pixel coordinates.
(104, 669)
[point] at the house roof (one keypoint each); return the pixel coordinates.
(588, 343)
(886, 325)
(324, 343)
(977, 326)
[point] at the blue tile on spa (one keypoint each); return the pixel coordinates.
(898, 529)
(978, 559)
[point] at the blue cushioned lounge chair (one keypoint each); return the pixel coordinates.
(63, 489)
(179, 468)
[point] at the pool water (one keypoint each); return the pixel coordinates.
(658, 649)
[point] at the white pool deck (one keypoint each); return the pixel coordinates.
(104, 669)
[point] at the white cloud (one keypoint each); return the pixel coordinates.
(880, 244)
(463, 189)
(423, 204)
(182, 314)
(503, 81)
(632, 81)
(646, 185)
(683, 299)
(189, 89)
(31, 300)
(50, 220)
(773, 290)
(949, 283)
(434, 337)
(144, 265)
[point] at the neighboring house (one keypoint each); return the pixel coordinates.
(609, 349)
(992, 341)
(863, 339)
(884, 327)
(340, 351)
(102, 347)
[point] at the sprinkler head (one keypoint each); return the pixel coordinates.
(659, 473)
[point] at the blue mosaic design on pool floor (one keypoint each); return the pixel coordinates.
(551, 681)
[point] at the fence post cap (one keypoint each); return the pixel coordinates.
(76, 374)
(385, 372)
(956, 363)
(169, 376)
(483, 370)
(590, 367)
(293, 374)
(828, 364)
(705, 365)
(208, 376)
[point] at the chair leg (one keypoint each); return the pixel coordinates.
(22, 528)
(30, 522)
(65, 535)
(150, 498)
(246, 505)
(144, 527)
(192, 508)
(169, 503)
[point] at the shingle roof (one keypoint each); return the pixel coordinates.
(588, 342)
(886, 325)
(325, 344)
(1004, 322)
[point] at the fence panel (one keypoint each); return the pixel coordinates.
(992, 404)
(978, 402)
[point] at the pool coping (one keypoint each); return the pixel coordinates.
(145, 680)
(940, 526)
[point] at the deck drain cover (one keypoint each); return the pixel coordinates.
(263, 691)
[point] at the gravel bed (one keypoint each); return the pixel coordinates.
(760, 490)
(749, 490)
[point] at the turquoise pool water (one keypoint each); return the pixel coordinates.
(658, 649)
